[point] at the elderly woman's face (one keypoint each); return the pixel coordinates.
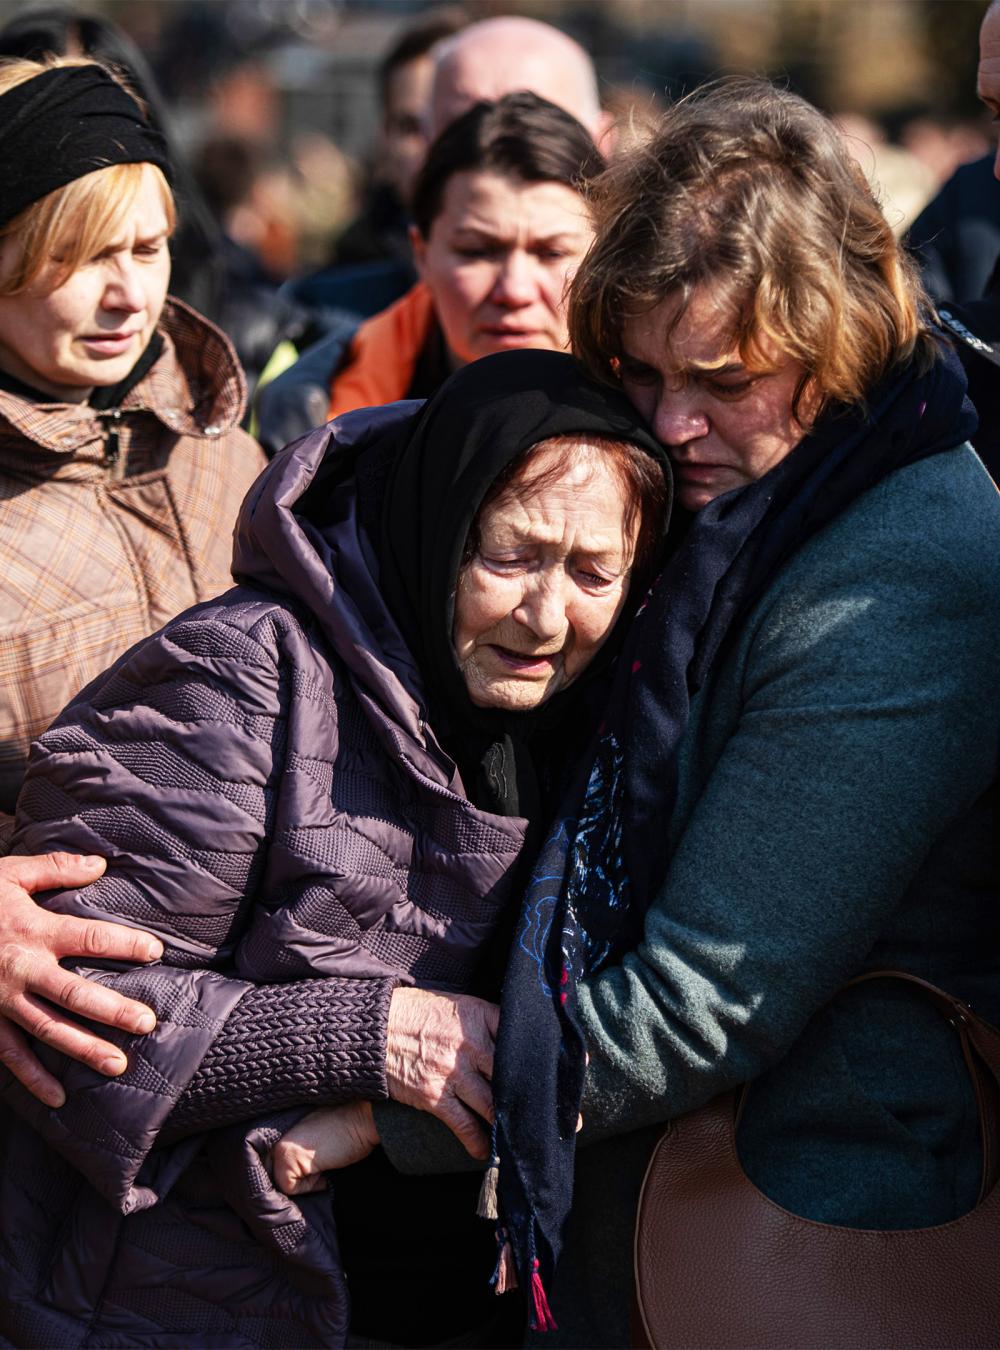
(545, 586)
(91, 330)
(723, 425)
(498, 260)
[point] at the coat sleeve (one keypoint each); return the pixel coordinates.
(864, 724)
(169, 765)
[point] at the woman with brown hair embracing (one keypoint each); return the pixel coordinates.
(794, 784)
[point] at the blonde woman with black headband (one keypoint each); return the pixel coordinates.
(122, 465)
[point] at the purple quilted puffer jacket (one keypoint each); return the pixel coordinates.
(283, 818)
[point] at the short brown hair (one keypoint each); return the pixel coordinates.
(64, 229)
(642, 478)
(751, 190)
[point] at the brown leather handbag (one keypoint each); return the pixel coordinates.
(718, 1264)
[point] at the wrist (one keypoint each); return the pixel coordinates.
(401, 1033)
(367, 1128)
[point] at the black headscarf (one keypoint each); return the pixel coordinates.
(480, 420)
(65, 123)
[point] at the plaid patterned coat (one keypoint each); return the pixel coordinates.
(112, 522)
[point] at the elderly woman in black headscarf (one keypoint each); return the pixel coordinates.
(313, 791)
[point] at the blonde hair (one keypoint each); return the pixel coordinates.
(750, 190)
(61, 231)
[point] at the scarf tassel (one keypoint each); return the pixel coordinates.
(542, 1319)
(486, 1206)
(504, 1277)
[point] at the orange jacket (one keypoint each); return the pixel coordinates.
(383, 354)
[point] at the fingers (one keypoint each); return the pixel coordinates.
(102, 940)
(475, 1092)
(45, 1023)
(25, 1067)
(294, 1168)
(481, 1035)
(465, 1126)
(332, 1137)
(91, 1000)
(483, 1059)
(439, 1058)
(491, 1014)
(34, 989)
(306, 1185)
(51, 871)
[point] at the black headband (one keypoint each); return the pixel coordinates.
(65, 123)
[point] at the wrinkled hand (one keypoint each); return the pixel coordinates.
(32, 941)
(336, 1136)
(439, 1058)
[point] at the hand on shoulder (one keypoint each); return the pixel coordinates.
(34, 986)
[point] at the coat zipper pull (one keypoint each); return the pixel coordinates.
(112, 448)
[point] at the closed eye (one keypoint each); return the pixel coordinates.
(597, 581)
(503, 564)
(636, 372)
(730, 390)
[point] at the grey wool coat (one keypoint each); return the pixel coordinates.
(271, 802)
(837, 811)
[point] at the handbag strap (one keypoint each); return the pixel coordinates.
(980, 1044)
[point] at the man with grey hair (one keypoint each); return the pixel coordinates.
(480, 63)
(500, 56)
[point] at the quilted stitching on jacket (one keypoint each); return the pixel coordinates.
(292, 825)
(249, 768)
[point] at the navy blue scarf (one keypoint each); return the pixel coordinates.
(607, 853)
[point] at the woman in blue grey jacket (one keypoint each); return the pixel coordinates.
(795, 782)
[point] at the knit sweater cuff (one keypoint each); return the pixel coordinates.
(310, 1043)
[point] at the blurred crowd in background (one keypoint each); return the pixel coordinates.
(293, 127)
(298, 127)
(279, 106)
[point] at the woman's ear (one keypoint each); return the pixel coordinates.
(807, 401)
(419, 246)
